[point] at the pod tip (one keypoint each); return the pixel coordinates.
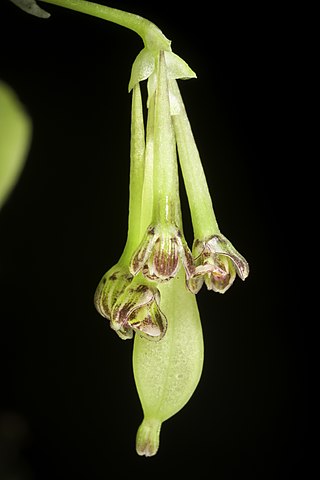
(148, 437)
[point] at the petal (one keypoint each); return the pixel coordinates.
(195, 283)
(219, 244)
(149, 321)
(137, 309)
(186, 257)
(164, 263)
(110, 287)
(220, 275)
(142, 254)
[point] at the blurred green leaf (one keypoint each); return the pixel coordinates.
(31, 6)
(15, 139)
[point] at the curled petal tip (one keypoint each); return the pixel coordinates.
(224, 247)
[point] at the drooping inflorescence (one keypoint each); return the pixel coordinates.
(150, 293)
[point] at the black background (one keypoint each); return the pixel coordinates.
(68, 405)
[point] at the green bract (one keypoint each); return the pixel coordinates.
(149, 294)
(145, 64)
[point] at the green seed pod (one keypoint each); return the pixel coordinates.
(167, 372)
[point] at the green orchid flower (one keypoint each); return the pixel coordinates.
(160, 253)
(216, 260)
(217, 263)
(130, 304)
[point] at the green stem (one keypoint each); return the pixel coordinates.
(201, 208)
(137, 154)
(151, 35)
(165, 183)
(147, 190)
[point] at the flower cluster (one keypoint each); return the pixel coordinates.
(151, 290)
(156, 249)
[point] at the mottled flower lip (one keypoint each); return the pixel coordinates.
(160, 252)
(217, 263)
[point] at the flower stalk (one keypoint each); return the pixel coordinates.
(151, 35)
(201, 208)
(137, 180)
(165, 179)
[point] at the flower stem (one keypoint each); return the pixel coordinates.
(137, 165)
(147, 190)
(201, 208)
(151, 35)
(165, 182)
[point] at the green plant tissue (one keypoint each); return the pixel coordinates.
(15, 138)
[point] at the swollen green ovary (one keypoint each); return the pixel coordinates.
(167, 372)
